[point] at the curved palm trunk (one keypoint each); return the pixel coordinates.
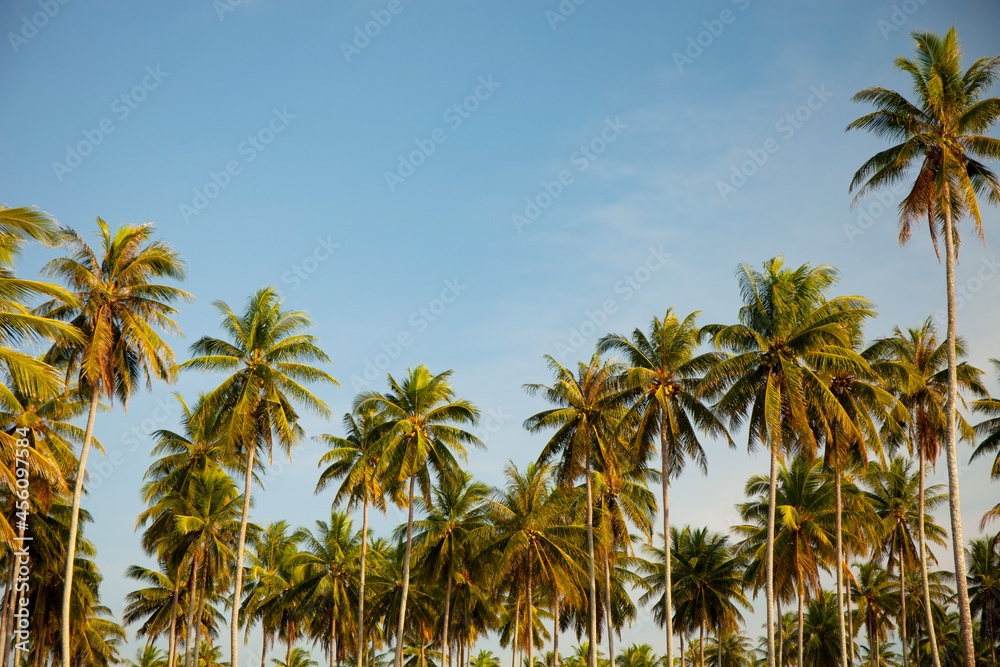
(447, 614)
(608, 621)
(406, 571)
(957, 541)
(592, 601)
(361, 595)
(74, 525)
(668, 611)
(234, 630)
(840, 567)
(904, 649)
(923, 568)
(769, 563)
(172, 638)
(201, 610)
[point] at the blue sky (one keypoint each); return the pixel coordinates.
(585, 175)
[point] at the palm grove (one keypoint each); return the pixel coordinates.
(835, 540)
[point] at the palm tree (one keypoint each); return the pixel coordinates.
(944, 134)
(117, 311)
(989, 431)
(269, 577)
(535, 544)
(664, 372)
(356, 460)
(268, 357)
(822, 639)
(924, 395)
(456, 517)
(298, 657)
(421, 422)
(874, 591)
(894, 497)
(484, 659)
(638, 655)
(148, 656)
(984, 589)
(786, 330)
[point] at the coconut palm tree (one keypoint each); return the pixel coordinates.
(925, 396)
(117, 311)
(484, 659)
(356, 459)
(786, 331)
(148, 656)
(663, 372)
(421, 424)
(269, 358)
(589, 406)
(297, 657)
(944, 134)
(989, 429)
(268, 578)
(877, 603)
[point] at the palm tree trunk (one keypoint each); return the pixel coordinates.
(531, 609)
(681, 635)
(701, 645)
(517, 630)
(902, 610)
(718, 650)
(668, 610)
(555, 631)
(406, 567)
(9, 604)
(288, 649)
(872, 648)
(174, 608)
(234, 630)
(839, 557)
(201, 610)
(608, 621)
(957, 541)
(333, 646)
(802, 622)
(852, 646)
(592, 600)
(263, 649)
(780, 634)
(192, 598)
(361, 594)
(923, 566)
(447, 620)
(74, 525)
(769, 563)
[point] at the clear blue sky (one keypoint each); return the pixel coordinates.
(615, 123)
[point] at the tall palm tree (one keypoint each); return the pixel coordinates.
(117, 311)
(535, 544)
(589, 406)
(664, 371)
(924, 395)
(269, 358)
(421, 425)
(877, 603)
(356, 459)
(944, 134)
(984, 590)
(786, 331)
(894, 497)
(457, 515)
(269, 578)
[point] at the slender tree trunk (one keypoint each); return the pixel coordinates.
(957, 541)
(851, 647)
(681, 635)
(802, 622)
(201, 610)
(234, 630)
(872, 648)
(592, 601)
(263, 649)
(361, 595)
(517, 631)
(406, 568)
(904, 649)
(608, 620)
(701, 645)
(840, 565)
(288, 649)
(447, 620)
(192, 599)
(555, 632)
(333, 634)
(718, 650)
(74, 525)
(531, 610)
(174, 608)
(9, 605)
(923, 565)
(665, 467)
(780, 632)
(769, 564)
